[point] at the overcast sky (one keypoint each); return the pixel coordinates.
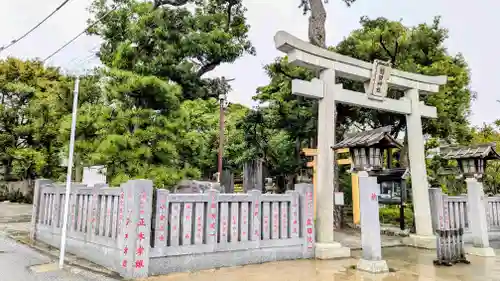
(471, 25)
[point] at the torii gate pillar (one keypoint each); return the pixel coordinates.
(377, 78)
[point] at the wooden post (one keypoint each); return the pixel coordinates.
(355, 198)
(354, 178)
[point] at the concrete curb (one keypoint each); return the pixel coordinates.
(16, 219)
(70, 260)
(387, 230)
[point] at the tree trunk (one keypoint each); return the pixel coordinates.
(404, 161)
(317, 21)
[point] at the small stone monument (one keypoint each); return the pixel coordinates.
(94, 175)
(371, 242)
(194, 186)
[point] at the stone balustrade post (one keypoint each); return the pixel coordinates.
(478, 222)
(35, 214)
(306, 209)
(135, 229)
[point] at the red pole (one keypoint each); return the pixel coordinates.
(221, 135)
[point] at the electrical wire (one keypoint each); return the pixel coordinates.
(78, 60)
(79, 34)
(15, 41)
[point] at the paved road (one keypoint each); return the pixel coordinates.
(16, 261)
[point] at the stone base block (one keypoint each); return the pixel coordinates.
(419, 241)
(328, 251)
(372, 266)
(481, 252)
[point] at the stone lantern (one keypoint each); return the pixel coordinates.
(472, 164)
(367, 148)
(472, 159)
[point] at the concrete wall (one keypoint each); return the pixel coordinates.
(200, 231)
(108, 226)
(115, 227)
(17, 191)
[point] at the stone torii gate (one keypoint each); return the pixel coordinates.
(377, 78)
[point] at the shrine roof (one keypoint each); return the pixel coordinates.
(379, 137)
(485, 151)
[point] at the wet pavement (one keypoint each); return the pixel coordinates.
(409, 264)
(15, 212)
(21, 263)
(351, 238)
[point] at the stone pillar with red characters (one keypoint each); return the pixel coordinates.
(371, 259)
(135, 229)
(306, 208)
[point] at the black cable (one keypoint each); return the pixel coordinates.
(79, 34)
(15, 41)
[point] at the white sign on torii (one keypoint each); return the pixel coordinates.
(331, 65)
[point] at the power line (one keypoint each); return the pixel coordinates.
(15, 41)
(79, 34)
(78, 60)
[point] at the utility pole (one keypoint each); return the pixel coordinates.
(222, 101)
(222, 108)
(68, 173)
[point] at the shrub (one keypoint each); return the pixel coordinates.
(389, 214)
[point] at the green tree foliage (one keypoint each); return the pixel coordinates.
(155, 115)
(162, 139)
(33, 99)
(418, 49)
(484, 134)
(173, 43)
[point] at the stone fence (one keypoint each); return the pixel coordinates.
(137, 231)
(459, 214)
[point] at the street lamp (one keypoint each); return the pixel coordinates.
(472, 159)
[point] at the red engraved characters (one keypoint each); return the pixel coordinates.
(188, 213)
(256, 210)
(234, 227)
(309, 230)
(244, 218)
(141, 236)
(212, 218)
(199, 229)
(142, 201)
(284, 221)
(162, 218)
(275, 219)
(139, 264)
(140, 251)
(224, 227)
